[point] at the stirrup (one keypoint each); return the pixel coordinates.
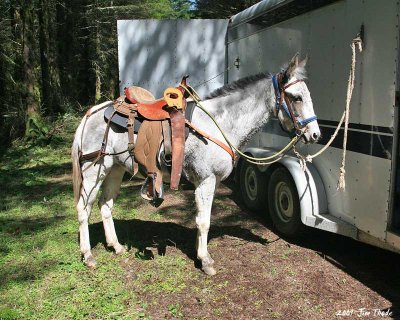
(155, 198)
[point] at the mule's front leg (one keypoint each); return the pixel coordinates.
(204, 195)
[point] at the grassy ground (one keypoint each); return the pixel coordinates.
(41, 273)
(260, 276)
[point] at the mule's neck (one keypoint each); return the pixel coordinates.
(243, 112)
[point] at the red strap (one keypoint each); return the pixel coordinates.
(216, 141)
(291, 83)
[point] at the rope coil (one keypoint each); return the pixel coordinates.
(341, 185)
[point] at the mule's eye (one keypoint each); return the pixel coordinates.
(297, 99)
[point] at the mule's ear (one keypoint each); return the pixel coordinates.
(303, 63)
(295, 59)
(292, 66)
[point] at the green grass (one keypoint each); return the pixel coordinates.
(42, 276)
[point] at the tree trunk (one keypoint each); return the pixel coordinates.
(31, 87)
(44, 52)
(97, 54)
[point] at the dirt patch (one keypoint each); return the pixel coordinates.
(260, 275)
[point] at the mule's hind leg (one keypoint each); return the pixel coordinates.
(92, 179)
(109, 193)
(204, 195)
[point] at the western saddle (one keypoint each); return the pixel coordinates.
(157, 122)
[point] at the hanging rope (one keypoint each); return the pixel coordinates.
(356, 43)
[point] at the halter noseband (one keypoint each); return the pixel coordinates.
(282, 101)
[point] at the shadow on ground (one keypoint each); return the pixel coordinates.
(140, 235)
(376, 268)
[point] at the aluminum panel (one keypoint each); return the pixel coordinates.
(282, 42)
(249, 59)
(201, 52)
(332, 29)
(379, 63)
(155, 54)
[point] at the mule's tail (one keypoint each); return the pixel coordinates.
(77, 149)
(76, 166)
(76, 172)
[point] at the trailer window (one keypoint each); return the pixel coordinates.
(274, 16)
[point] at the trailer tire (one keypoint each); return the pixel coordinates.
(253, 186)
(284, 203)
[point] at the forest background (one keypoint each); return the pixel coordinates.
(60, 56)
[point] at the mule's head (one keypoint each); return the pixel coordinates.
(295, 108)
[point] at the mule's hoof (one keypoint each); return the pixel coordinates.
(119, 249)
(210, 271)
(90, 262)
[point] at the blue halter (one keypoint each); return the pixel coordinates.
(296, 120)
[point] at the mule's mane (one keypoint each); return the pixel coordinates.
(241, 84)
(237, 85)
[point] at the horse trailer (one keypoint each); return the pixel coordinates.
(153, 54)
(268, 33)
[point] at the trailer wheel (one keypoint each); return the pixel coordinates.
(284, 203)
(253, 186)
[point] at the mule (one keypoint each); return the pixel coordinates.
(241, 108)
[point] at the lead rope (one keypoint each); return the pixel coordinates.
(259, 161)
(341, 185)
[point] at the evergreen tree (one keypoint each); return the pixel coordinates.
(210, 9)
(55, 54)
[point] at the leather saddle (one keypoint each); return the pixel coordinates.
(156, 122)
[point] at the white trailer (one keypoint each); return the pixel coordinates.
(268, 34)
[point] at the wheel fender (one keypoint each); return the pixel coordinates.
(310, 187)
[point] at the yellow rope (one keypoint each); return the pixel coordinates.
(280, 153)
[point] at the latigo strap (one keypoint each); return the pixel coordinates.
(178, 146)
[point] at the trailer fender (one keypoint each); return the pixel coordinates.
(309, 186)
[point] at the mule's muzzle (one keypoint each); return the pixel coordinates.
(315, 137)
(311, 136)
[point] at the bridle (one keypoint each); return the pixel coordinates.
(283, 102)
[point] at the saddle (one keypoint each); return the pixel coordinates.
(156, 122)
